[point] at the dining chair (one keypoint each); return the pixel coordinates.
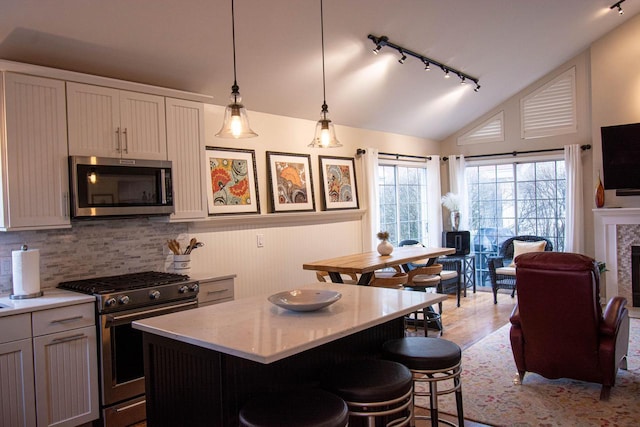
(347, 278)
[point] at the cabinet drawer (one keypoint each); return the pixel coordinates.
(63, 319)
(13, 328)
(215, 291)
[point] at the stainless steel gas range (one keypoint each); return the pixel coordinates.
(121, 300)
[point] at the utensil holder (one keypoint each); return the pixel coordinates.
(182, 263)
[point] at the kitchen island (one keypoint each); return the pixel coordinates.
(202, 365)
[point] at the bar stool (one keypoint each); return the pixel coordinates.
(309, 408)
(431, 360)
(374, 390)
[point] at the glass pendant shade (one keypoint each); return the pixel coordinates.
(325, 135)
(236, 122)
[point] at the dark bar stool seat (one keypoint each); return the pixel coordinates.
(373, 390)
(309, 408)
(431, 360)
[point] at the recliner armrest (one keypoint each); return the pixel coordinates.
(515, 316)
(612, 316)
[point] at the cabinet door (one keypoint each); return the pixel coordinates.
(185, 147)
(94, 120)
(66, 377)
(142, 126)
(35, 167)
(16, 384)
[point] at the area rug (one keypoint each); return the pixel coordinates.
(491, 397)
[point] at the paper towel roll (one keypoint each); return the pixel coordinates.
(26, 271)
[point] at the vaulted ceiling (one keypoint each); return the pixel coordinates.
(186, 44)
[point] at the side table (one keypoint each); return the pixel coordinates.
(468, 270)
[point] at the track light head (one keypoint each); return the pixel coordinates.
(618, 6)
(463, 80)
(426, 65)
(446, 74)
(404, 57)
(477, 88)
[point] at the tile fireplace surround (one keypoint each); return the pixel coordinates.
(616, 230)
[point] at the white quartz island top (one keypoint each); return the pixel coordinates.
(255, 329)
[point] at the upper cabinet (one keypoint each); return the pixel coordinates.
(33, 144)
(109, 122)
(185, 145)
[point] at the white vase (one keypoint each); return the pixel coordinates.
(385, 248)
(455, 220)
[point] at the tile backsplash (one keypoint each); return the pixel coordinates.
(92, 248)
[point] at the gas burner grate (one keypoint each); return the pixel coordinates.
(103, 285)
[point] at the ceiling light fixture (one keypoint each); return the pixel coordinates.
(382, 41)
(617, 5)
(235, 123)
(325, 134)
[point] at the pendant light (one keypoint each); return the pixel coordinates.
(236, 122)
(325, 135)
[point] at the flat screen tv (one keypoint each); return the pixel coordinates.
(621, 158)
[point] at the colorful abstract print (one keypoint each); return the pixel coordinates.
(230, 182)
(292, 183)
(339, 183)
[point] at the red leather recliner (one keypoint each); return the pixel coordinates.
(558, 329)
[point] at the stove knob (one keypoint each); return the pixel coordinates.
(124, 299)
(110, 302)
(194, 287)
(183, 289)
(154, 294)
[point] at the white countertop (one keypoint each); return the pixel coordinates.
(255, 329)
(52, 298)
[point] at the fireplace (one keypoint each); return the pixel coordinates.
(616, 232)
(635, 275)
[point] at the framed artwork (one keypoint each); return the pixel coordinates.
(231, 185)
(338, 179)
(290, 182)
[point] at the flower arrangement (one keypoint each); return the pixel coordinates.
(451, 201)
(383, 235)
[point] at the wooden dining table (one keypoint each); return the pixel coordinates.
(366, 263)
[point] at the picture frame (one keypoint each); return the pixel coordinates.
(338, 181)
(290, 182)
(232, 187)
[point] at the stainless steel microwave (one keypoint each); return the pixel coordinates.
(102, 187)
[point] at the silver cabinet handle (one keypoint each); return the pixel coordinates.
(69, 338)
(68, 319)
(217, 292)
(126, 141)
(118, 144)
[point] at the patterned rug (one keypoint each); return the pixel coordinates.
(491, 397)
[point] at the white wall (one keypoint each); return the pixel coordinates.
(278, 265)
(615, 71)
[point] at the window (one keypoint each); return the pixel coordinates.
(550, 110)
(403, 202)
(507, 200)
(491, 130)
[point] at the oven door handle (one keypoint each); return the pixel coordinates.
(153, 311)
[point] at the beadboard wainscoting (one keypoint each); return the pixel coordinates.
(276, 266)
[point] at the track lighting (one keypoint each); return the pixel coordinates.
(617, 5)
(382, 41)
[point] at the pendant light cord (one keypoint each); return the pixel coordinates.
(324, 90)
(233, 37)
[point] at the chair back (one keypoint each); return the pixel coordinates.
(560, 312)
(506, 249)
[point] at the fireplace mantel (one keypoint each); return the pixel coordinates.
(605, 221)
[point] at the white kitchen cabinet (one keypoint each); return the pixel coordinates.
(34, 166)
(109, 122)
(215, 290)
(17, 396)
(185, 147)
(65, 365)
